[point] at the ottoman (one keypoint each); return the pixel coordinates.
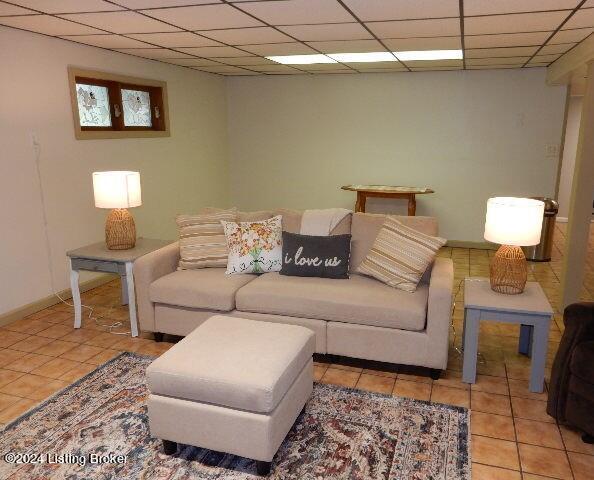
(233, 385)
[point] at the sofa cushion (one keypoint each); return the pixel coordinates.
(207, 288)
(358, 299)
(234, 362)
(292, 222)
(366, 226)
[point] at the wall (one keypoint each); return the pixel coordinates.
(572, 130)
(180, 173)
(294, 140)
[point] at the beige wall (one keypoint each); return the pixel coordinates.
(180, 173)
(572, 130)
(294, 140)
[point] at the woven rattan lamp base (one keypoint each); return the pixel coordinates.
(508, 270)
(120, 230)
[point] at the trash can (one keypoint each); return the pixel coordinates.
(542, 251)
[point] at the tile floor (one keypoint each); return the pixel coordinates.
(512, 436)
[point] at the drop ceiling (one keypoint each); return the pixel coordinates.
(234, 37)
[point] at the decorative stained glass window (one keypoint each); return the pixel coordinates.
(93, 105)
(137, 108)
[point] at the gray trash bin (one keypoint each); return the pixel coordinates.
(542, 251)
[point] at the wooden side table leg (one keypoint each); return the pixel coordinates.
(412, 205)
(471, 335)
(361, 200)
(540, 343)
(124, 284)
(74, 288)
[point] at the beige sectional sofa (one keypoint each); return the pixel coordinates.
(358, 317)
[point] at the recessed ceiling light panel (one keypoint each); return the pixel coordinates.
(429, 55)
(301, 59)
(363, 57)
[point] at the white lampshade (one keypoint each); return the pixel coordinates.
(118, 189)
(514, 221)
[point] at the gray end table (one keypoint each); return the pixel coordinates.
(98, 258)
(530, 309)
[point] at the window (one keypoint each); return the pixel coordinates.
(114, 106)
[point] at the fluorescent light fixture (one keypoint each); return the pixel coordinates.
(429, 55)
(363, 57)
(301, 59)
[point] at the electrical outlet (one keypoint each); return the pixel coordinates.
(552, 150)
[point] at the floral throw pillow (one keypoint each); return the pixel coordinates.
(254, 247)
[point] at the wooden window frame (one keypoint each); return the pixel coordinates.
(115, 83)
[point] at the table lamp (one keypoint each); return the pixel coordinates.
(118, 190)
(512, 222)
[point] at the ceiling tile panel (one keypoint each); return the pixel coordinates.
(107, 41)
(121, 22)
(269, 49)
(47, 25)
(204, 17)
(500, 52)
(497, 61)
(490, 7)
(68, 6)
(545, 58)
(191, 62)
(247, 61)
(154, 52)
(505, 40)
(554, 49)
(416, 28)
(224, 69)
(426, 43)
(176, 39)
(369, 68)
(246, 36)
(295, 12)
(140, 4)
(491, 67)
(214, 51)
(522, 22)
(351, 46)
(327, 72)
(583, 18)
(330, 31)
(7, 9)
(403, 9)
(567, 36)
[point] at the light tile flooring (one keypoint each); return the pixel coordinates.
(512, 436)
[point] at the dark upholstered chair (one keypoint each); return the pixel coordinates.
(571, 393)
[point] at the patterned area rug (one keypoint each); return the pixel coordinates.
(343, 434)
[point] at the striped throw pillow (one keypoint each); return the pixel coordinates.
(202, 241)
(400, 255)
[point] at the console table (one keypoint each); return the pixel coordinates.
(98, 258)
(530, 309)
(386, 191)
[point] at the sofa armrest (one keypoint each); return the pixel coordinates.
(147, 269)
(439, 310)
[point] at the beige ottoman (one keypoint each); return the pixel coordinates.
(233, 385)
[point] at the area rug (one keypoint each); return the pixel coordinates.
(343, 434)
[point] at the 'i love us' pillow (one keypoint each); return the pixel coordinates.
(316, 256)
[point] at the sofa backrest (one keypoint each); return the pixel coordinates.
(366, 226)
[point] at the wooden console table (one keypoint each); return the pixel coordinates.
(386, 191)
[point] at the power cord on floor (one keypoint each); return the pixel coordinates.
(110, 327)
(460, 351)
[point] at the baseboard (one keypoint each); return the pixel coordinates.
(565, 220)
(49, 301)
(467, 244)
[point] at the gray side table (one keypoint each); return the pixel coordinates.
(530, 309)
(98, 258)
